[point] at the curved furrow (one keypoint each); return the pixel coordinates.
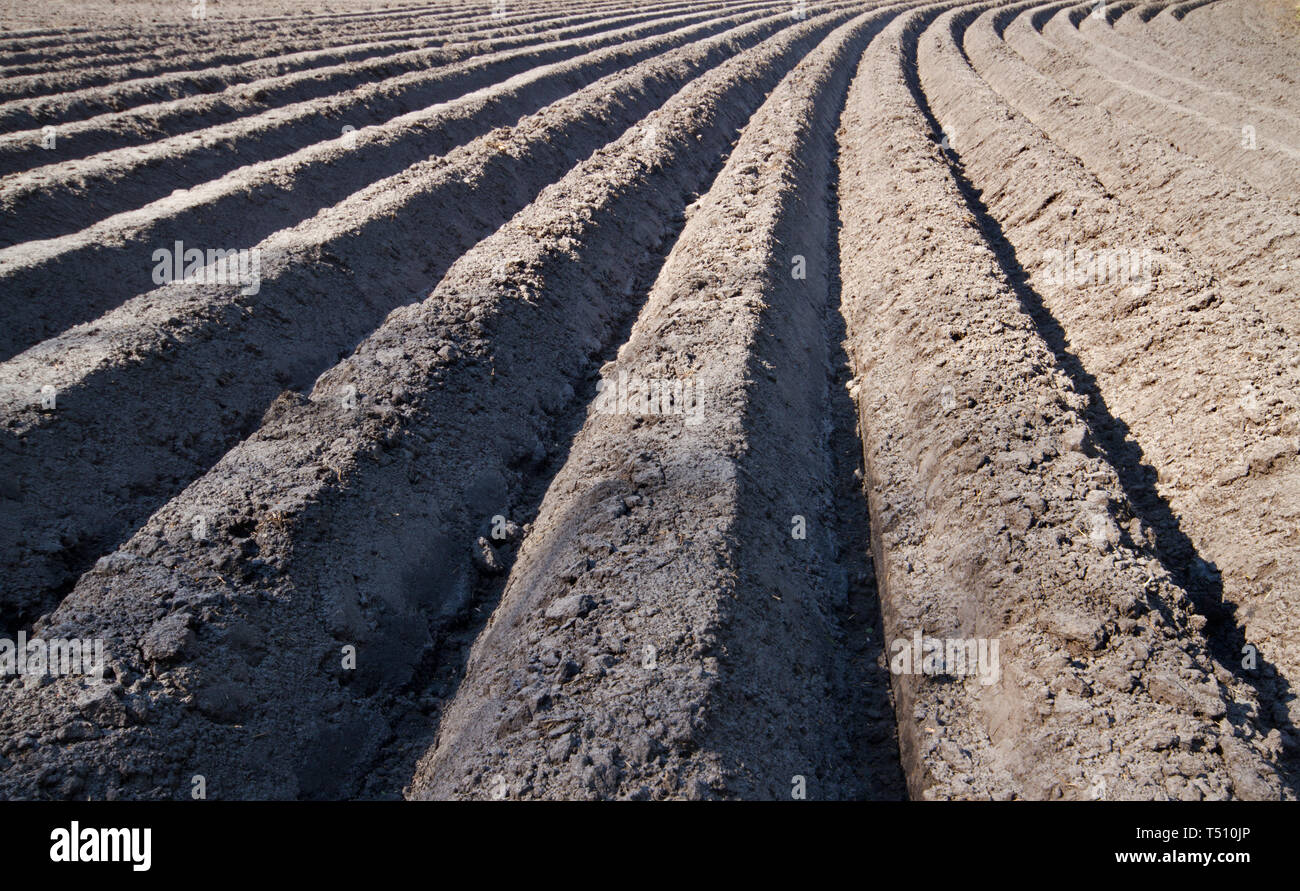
(1258, 20)
(1141, 60)
(671, 534)
(44, 36)
(426, 431)
(97, 71)
(1111, 12)
(1139, 15)
(1263, 71)
(26, 114)
(24, 150)
(1277, 24)
(1247, 237)
(320, 288)
(44, 287)
(61, 198)
(988, 525)
(1179, 11)
(1214, 134)
(1146, 321)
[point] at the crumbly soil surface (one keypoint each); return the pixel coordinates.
(623, 400)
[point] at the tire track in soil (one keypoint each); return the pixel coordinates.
(61, 198)
(332, 528)
(676, 536)
(325, 285)
(1117, 345)
(48, 287)
(986, 521)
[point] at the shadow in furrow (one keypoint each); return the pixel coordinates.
(232, 362)
(873, 728)
(1176, 552)
(1180, 11)
(438, 677)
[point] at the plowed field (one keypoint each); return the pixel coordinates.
(709, 399)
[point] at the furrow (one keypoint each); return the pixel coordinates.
(1156, 105)
(21, 114)
(335, 527)
(26, 149)
(1260, 69)
(663, 593)
(1111, 12)
(44, 287)
(1220, 92)
(214, 48)
(1248, 238)
(322, 286)
(987, 524)
(75, 65)
(184, 24)
(221, 28)
(1146, 63)
(39, 204)
(1137, 311)
(1139, 16)
(1179, 11)
(309, 53)
(1275, 22)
